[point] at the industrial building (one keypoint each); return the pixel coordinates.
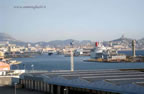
(85, 82)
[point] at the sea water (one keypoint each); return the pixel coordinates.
(60, 62)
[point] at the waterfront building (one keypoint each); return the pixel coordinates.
(4, 66)
(1, 55)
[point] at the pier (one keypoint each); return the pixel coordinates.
(85, 82)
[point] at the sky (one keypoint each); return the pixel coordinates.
(96, 20)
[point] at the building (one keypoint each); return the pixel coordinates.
(85, 82)
(4, 66)
(1, 55)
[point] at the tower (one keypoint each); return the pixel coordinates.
(133, 48)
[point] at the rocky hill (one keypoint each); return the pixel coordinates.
(125, 42)
(56, 43)
(7, 38)
(140, 43)
(62, 43)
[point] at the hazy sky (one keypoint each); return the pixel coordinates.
(72, 19)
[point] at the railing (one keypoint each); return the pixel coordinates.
(35, 71)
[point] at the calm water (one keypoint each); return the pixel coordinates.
(59, 62)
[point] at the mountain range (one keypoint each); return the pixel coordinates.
(55, 43)
(4, 37)
(61, 43)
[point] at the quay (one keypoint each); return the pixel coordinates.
(109, 81)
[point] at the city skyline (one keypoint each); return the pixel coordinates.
(81, 20)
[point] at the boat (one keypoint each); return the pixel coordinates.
(10, 61)
(97, 51)
(14, 62)
(102, 53)
(52, 52)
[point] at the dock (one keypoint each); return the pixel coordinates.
(129, 59)
(108, 81)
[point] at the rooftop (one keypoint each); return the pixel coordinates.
(131, 82)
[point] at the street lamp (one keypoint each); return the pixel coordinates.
(65, 91)
(32, 66)
(15, 84)
(72, 57)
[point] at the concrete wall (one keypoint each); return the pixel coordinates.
(5, 81)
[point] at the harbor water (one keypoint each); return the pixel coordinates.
(59, 62)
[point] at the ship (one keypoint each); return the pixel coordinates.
(10, 61)
(102, 53)
(52, 52)
(14, 62)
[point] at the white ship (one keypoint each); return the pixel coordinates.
(97, 51)
(100, 51)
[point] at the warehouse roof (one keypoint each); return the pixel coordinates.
(110, 80)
